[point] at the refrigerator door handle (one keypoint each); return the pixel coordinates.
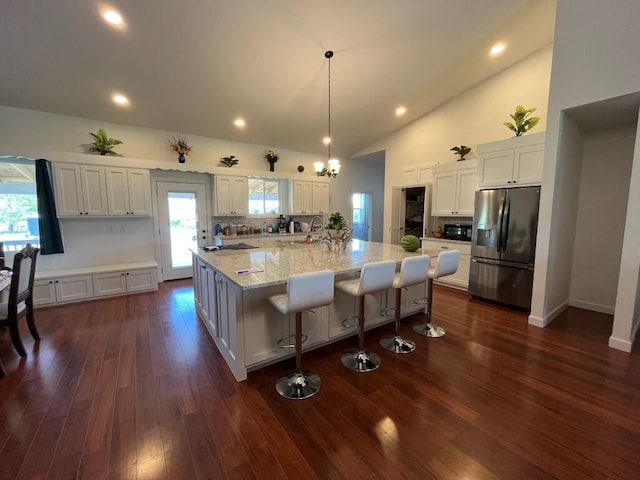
(504, 230)
(500, 222)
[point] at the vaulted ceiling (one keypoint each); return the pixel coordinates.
(193, 66)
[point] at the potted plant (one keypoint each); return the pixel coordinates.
(181, 146)
(103, 144)
(522, 122)
(272, 157)
(462, 150)
(229, 161)
(336, 225)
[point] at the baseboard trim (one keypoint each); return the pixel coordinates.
(620, 344)
(542, 322)
(594, 307)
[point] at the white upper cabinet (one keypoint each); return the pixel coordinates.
(309, 197)
(232, 195)
(513, 162)
(454, 186)
(302, 197)
(81, 190)
(320, 197)
(418, 175)
(90, 190)
(129, 192)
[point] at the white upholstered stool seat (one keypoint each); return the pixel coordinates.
(446, 264)
(374, 277)
(413, 270)
(304, 291)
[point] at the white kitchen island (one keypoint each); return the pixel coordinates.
(246, 328)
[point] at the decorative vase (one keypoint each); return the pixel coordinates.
(181, 158)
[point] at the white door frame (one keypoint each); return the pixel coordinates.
(185, 179)
(368, 210)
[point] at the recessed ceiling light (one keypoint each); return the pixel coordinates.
(498, 48)
(120, 99)
(239, 122)
(326, 140)
(112, 17)
(401, 111)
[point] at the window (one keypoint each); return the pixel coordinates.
(18, 204)
(264, 196)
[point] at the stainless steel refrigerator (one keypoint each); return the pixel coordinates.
(503, 245)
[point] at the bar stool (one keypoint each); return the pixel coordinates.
(304, 291)
(413, 270)
(374, 276)
(446, 264)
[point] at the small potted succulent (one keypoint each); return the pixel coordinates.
(103, 143)
(522, 122)
(462, 150)
(181, 146)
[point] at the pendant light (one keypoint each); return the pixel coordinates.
(333, 163)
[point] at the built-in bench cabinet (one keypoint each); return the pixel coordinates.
(454, 186)
(79, 284)
(99, 191)
(460, 279)
(513, 162)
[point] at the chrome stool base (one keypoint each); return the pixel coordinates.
(361, 360)
(429, 330)
(298, 385)
(397, 344)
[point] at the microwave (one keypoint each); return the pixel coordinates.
(456, 231)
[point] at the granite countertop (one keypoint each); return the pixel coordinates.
(273, 265)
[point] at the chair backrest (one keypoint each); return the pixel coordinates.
(413, 270)
(376, 276)
(446, 264)
(310, 290)
(24, 270)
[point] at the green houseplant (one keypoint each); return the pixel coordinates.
(336, 226)
(103, 144)
(462, 150)
(522, 122)
(229, 161)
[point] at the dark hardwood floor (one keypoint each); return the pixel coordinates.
(132, 387)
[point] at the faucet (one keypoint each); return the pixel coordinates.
(313, 220)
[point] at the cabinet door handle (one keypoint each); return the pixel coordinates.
(122, 274)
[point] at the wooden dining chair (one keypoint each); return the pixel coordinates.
(20, 301)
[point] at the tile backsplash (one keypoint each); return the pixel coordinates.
(258, 225)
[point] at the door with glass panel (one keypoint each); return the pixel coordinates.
(182, 214)
(361, 215)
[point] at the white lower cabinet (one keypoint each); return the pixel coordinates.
(460, 279)
(67, 286)
(118, 283)
(62, 290)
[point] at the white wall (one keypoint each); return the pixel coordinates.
(594, 46)
(602, 209)
(474, 117)
(93, 242)
(360, 175)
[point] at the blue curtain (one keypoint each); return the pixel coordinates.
(50, 237)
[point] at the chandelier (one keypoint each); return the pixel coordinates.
(334, 164)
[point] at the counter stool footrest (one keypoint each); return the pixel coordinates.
(351, 322)
(292, 341)
(421, 301)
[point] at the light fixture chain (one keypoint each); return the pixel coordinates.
(329, 114)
